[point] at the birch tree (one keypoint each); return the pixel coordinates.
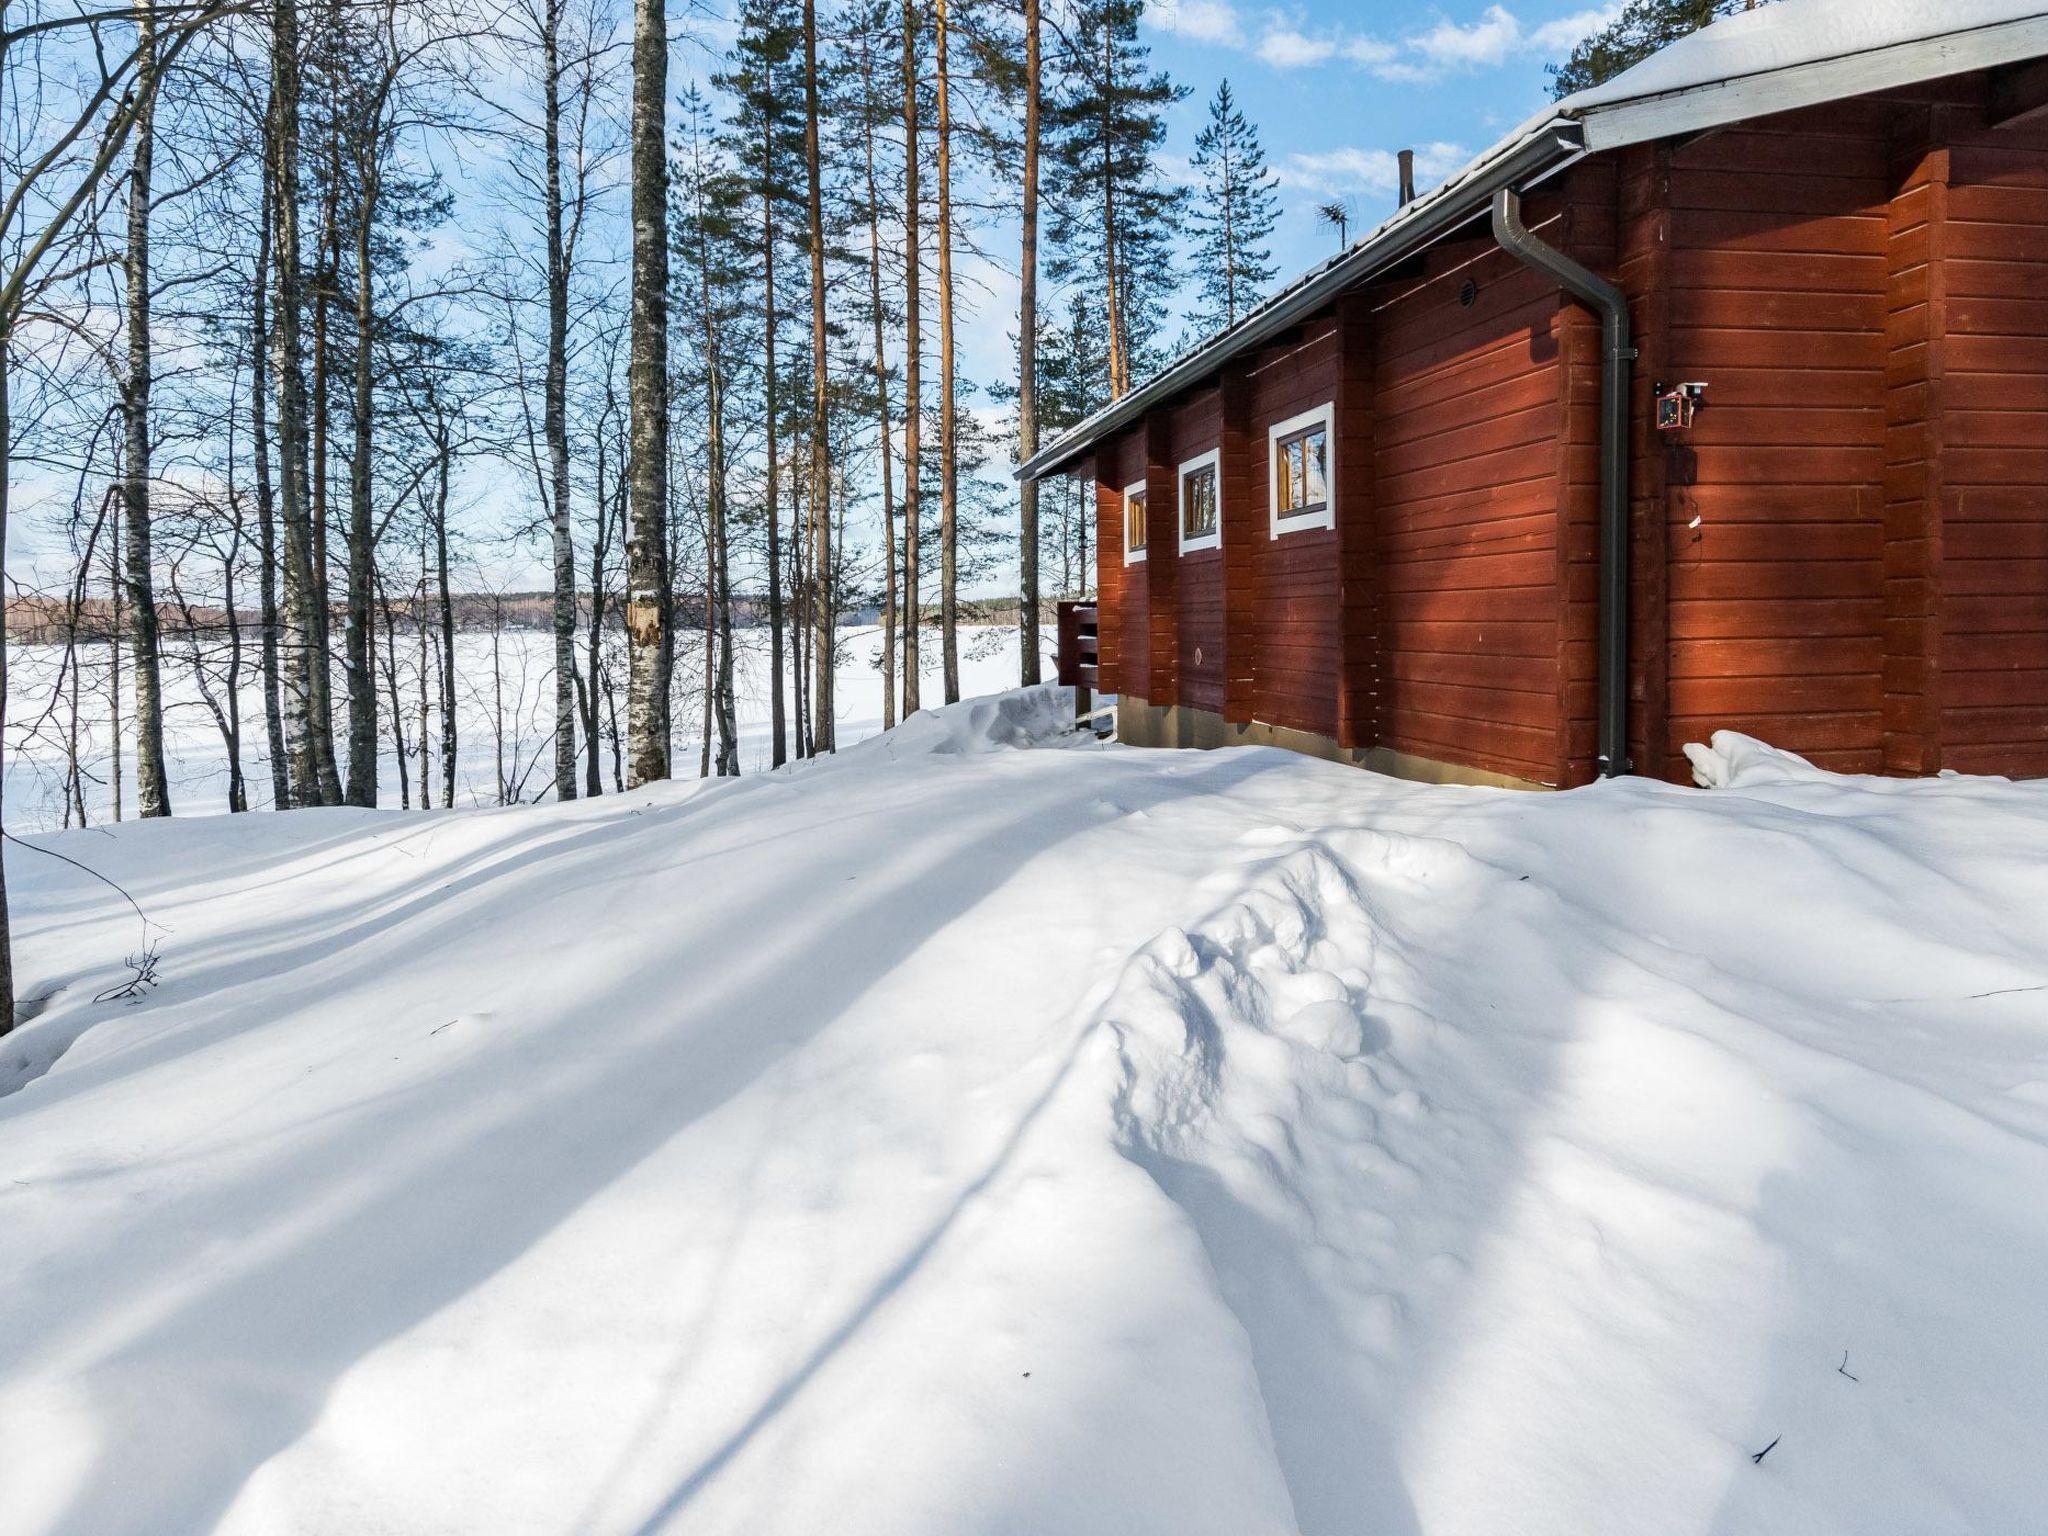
(649, 641)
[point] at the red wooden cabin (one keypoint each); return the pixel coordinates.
(1417, 514)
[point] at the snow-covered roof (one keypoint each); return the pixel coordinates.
(1778, 57)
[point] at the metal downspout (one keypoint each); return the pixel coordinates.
(1616, 353)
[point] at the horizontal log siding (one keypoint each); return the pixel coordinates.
(1773, 500)
(1647, 267)
(1589, 231)
(1197, 427)
(1124, 616)
(1993, 660)
(1296, 628)
(1154, 465)
(1915, 304)
(1467, 477)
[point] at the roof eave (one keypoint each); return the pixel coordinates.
(1698, 108)
(1543, 149)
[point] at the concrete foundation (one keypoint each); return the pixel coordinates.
(1140, 724)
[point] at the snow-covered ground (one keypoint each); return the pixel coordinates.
(504, 681)
(953, 1139)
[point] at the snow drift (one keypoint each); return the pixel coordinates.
(946, 1139)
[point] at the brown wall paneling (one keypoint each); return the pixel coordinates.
(1774, 499)
(1196, 428)
(1647, 268)
(1154, 441)
(1993, 491)
(1357, 532)
(1297, 618)
(1244, 530)
(1467, 476)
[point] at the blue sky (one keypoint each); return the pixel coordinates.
(1336, 89)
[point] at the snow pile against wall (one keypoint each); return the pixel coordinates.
(1023, 717)
(988, 1141)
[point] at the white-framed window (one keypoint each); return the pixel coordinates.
(1134, 522)
(1302, 469)
(1201, 502)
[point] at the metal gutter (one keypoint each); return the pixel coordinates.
(1616, 353)
(1543, 149)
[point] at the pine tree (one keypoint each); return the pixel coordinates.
(1115, 216)
(1235, 209)
(710, 279)
(765, 139)
(1027, 352)
(1640, 30)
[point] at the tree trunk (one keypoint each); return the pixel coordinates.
(718, 678)
(824, 637)
(390, 625)
(357, 662)
(303, 601)
(448, 727)
(321, 671)
(6, 481)
(1027, 364)
(116, 587)
(1119, 361)
(266, 503)
(152, 786)
(593, 781)
(949, 463)
(778, 722)
(881, 402)
(911, 405)
(649, 644)
(556, 414)
(419, 630)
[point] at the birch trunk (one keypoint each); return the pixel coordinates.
(649, 644)
(555, 411)
(152, 788)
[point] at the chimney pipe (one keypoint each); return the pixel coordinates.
(1407, 159)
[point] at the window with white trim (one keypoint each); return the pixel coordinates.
(1134, 522)
(1301, 472)
(1201, 502)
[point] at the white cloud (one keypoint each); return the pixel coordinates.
(1497, 36)
(1284, 41)
(1369, 51)
(1200, 21)
(1487, 41)
(1335, 172)
(1566, 33)
(1285, 48)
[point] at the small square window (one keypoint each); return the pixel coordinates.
(1134, 522)
(1302, 476)
(1201, 507)
(1303, 472)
